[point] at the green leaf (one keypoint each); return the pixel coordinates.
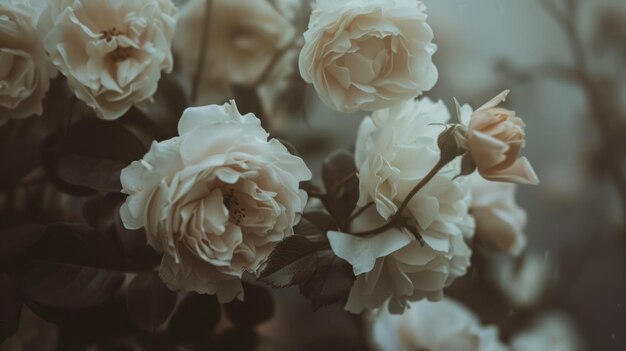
(90, 156)
(67, 286)
(149, 301)
(331, 282)
(341, 184)
(292, 262)
(71, 266)
(17, 239)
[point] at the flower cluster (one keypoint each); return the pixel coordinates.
(220, 202)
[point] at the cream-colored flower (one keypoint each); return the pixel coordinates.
(243, 39)
(500, 222)
(552, 331)
(112, 52)
(368, 54)
(495, 140)
(434, 326)
(24, 71)
(214, 200)
(395, 149)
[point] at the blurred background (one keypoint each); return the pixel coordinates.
(576, 141)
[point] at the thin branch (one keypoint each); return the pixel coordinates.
(204, 48)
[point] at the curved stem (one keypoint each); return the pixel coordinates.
(397, 217)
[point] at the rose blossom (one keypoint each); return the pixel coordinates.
(495, 140)
(395, 149)
(24, 71)
(500, 222)
(368, 54)
(434, 326)
(244, 36)
(112, 52)
(214, 200)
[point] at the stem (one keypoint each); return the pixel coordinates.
(204, 47)
(397, 217)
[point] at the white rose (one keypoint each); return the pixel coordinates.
(395, 149)
(243, 39)
(500, 222)
(112, 52)
(214, 200)
(24, 71)
(552, 331)
(368, 54)
(434, 326)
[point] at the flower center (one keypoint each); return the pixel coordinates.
(120, 53)
(236, 212)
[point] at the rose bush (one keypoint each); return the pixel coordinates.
(214, 200)
(368, 54)
(112, 52)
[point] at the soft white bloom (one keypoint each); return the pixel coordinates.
(24, 71)
(551, 332)
(524, 280)
(214, 200)
(243, 39)
(112, 52)
(495, 140)
(500, 222)
(395, 149)
(434, 326)
(368, 54)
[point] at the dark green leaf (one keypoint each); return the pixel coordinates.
(91, 155)
(10, 306)
(77, 244)
(292, 262)
(17, 239)
(195, 319)
(71, 266)
(341, 184)
(320, 219)
(135, 245)
(149, 301)
(256, 307)
(67, 286)
(101, 211)
(331, 282)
